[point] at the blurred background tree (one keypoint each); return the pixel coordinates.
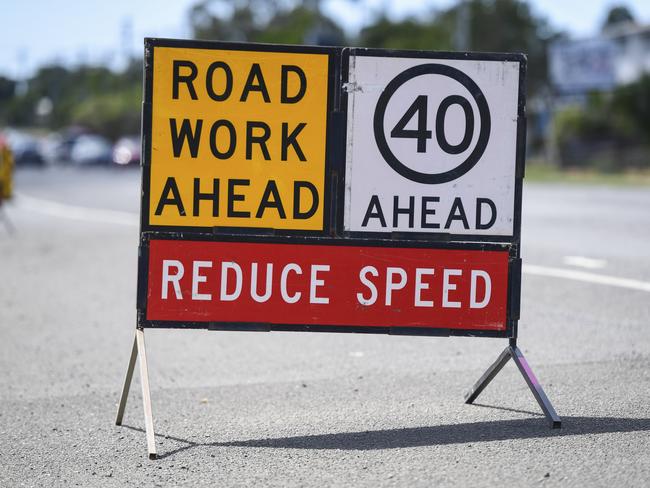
(264, 21)
(93, 96)
(472, 25)
(504, 26)
(617, 15)
(610, 132)
(411, 33)
(109, 102)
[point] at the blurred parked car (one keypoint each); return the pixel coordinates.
(27, 152)
(25, 149)
(91, 149)
(127, 151)
(57, 147)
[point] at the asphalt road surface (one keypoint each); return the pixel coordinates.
(300, 409)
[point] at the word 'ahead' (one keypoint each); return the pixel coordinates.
(238, 138)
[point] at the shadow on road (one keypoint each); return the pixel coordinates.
(506, 409)
(496, 430)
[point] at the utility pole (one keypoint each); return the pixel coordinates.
(462, 31)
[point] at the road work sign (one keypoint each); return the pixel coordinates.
(238, 137)
(352, 190)
(290, 188)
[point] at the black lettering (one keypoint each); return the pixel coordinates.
(284, 84)
(297, 187)
(186, 134)
(177, 78)
(418, 106)
(493, 216)
(236, 197)
(426, 211)
(440, 124)
(175, 199)
(255, 74)
(374, 212)
(271, 190)
(397, 211)
(261, 139)
(209, 81)
(290, 140)
(198, 196)
(457, 206)
(232, 137)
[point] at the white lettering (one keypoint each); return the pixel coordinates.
(269, 283)
(316, 283)
(283, 283)
(419, 286)
(197, 278)
(447, 287)
(174, 279)
(225, 296)
(478, 273)
(371, 286)
(392, 285)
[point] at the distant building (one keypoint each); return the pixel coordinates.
(619, 55)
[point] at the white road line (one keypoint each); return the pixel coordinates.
(584, 262)
(75, 212)
(570, 274)
(96, 215)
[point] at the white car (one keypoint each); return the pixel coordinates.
(91, 149)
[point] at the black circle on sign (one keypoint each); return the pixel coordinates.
(484, 132)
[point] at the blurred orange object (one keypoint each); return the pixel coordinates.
(6, 170)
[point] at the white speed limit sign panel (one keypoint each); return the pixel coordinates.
(432, 144)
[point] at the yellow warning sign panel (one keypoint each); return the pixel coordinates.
(238, 138)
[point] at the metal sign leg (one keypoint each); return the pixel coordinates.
(488, 376)
(127, 383)
(139, 350)
(515, 353)
(536, 388)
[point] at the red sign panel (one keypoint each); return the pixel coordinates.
(234, 282)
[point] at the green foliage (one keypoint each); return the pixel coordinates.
(109, 102)
(489, 26)
(95, 97)
(111, 114)
(265, 21)
(631, 107)
(7, 89)
(610, 132)
(301, 26)
(507, 26)
(410, 33)
(240, 26)
(618, 14)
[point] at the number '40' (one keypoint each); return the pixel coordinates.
(419, 107)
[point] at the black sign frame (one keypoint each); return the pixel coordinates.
(334, 193)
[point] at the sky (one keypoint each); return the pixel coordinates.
(37, 32)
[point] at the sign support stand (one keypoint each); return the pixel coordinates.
(512, 351)
(139, 349)
(339, 154)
